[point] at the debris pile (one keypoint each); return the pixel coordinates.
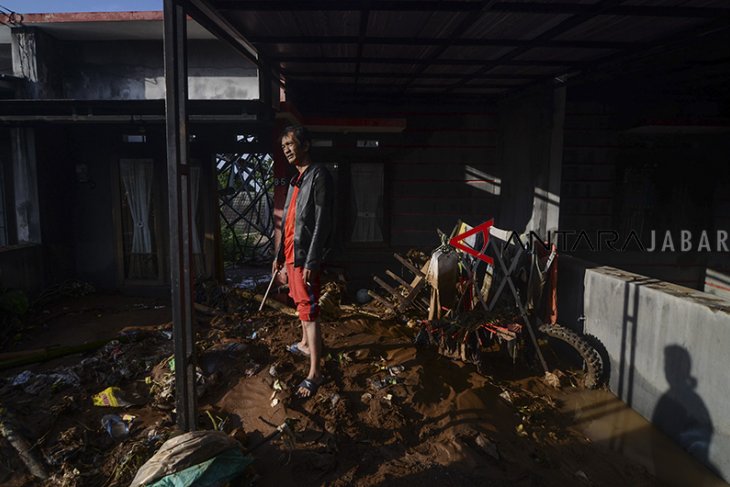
(388, 412)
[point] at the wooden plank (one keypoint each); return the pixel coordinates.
(381, 300)
(390, 289)
(398, 279)
(409, 266)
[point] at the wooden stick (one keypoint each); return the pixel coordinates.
(268, 289)
(21, 445)
(271, 303)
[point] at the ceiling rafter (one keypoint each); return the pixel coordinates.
(416, 61)
(433, 41)
(469, 6)
(465, 24)
(335, 74)
(362, 34)
(564, 26)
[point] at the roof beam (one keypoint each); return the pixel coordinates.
(203, 13)
(467, 6)
(335, 74)
(564, 26)
(466, 23)
(412, 61)
(432, 41)
(364, 19)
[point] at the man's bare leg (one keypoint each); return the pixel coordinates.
(304, 343)
(313, 333)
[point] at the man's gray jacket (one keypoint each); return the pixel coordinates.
(314, 223)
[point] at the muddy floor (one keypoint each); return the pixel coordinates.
(387, 414)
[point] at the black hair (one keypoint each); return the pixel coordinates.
(300, 134)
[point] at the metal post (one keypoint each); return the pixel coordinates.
(178, 182)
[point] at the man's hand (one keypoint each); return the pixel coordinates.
(308, 275)
(275, 266)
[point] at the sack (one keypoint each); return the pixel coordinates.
(184, 451)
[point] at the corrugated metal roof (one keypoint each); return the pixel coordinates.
(628, 29)
(456, 46)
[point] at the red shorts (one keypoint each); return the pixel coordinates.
(305, 297)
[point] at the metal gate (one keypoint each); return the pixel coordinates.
(246, 204)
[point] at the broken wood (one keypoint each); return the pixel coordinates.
(381, 300)
(410, 266)
(207, 310)
(398, 279)
(21, 445)
(390, 289)
(14, 359)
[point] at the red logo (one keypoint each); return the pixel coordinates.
(479, 254)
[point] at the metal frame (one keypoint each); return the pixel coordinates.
(178, 182)
(175, 14)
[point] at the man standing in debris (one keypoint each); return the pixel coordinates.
(306, 232)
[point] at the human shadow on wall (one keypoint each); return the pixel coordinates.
(681, 413)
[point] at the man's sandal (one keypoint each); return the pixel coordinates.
(309, 385)
(294, 349)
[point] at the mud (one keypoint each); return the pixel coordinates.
(437, 422)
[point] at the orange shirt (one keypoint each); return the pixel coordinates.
(291, 216)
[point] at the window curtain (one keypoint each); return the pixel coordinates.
(367, 185)
(137, 180)
(136, 175)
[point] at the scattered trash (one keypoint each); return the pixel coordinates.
(22, 378)
(167, 334)
(275, 402)
(329, 307)
(366, 397)
(252, 368)
(249, 283)
(396, 369)
(217, 422)
(363, 297)
(278, 386)
(334, 399)
(487, 446)
(582, 475)
(37, 383)
(506, 396)
(388, 397)
(378, 384)
(117, 427)
(520, 429)
(552, 380)
(110, 397)
(272, 371)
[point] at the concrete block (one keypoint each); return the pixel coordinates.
(667, 347)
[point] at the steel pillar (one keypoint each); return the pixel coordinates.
(178, 184)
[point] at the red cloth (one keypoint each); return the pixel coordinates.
(305, 297)
(291, 216)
